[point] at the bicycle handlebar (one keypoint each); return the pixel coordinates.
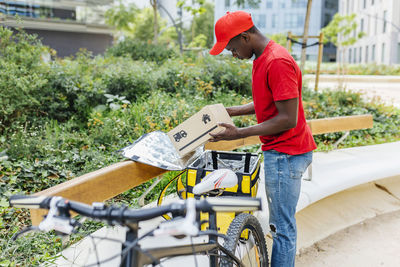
(122, 215)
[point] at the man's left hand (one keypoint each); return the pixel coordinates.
(231, 132)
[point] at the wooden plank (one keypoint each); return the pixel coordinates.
(110, 181)
(340, 124)
(100, 185)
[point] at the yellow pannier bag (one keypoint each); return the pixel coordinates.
(245, 165)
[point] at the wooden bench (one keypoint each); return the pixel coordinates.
(113, 180)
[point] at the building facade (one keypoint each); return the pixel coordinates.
(380, 21)
(282, 16)
(64, 25)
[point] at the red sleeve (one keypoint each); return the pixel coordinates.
(282, 80)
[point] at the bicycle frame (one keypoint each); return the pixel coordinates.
(134, 258)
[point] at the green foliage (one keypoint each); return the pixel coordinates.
(279, 38)
(202, 27)
(138, 50)
(21, 76)
(143, 28)
(121, 16)
(343, 103)
(199, 41)
(138, 24)
(74, 86)
(340, 30)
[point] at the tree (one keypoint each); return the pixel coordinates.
(305, 35)
(202, 25)
(121, 17)
(136, 23)
(153, 4)
(341, 31)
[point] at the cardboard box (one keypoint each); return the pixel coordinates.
(194, 131)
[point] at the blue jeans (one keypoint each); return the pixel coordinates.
(283, 174)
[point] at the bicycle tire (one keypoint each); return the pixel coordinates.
(234, 241)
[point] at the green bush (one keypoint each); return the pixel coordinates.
(21, 76)
(229, 74)
(333, 103)
(138, 50)
(74, 86)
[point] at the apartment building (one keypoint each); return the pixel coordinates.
(64, 25)
(380, 21)
(282, 16)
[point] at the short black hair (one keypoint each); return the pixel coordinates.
(251, 30)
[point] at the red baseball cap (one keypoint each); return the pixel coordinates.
(228, 26)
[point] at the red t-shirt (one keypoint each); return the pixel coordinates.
(277, 77)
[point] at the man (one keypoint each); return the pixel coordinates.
(287, 142)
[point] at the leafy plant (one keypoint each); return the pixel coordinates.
(21, 76)
(138, 50)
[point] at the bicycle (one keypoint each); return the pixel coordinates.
(244, 244)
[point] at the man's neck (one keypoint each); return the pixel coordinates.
(260, 44)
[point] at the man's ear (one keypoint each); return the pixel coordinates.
(246, 36)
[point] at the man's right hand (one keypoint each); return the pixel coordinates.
(247, 109)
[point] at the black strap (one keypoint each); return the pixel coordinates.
(247, 163)
(214, 159)
(199, 175)
(303, 45)
(230, 156)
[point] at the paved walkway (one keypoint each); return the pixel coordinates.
(374, 242)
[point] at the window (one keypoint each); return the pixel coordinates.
(269, 4)
(327, 19)
(294, 20)
(373, 53)
(347, 7)
(355, 55)
(260, 21)
(282, 4)
(227, 3)
(290, 21)
(360, 55)
(299, 3)
(384, 20)
(372, 2)
(247, 5)
(376, 24)
(331, 4)
(273, 22)
(349, 55)
(362, 25)
(383, 53)
(365, 4)
(366, 54)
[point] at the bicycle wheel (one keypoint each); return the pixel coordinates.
(247, 241)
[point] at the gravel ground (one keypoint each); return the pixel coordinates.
(374, 242)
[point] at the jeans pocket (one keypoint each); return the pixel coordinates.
(298, 164)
